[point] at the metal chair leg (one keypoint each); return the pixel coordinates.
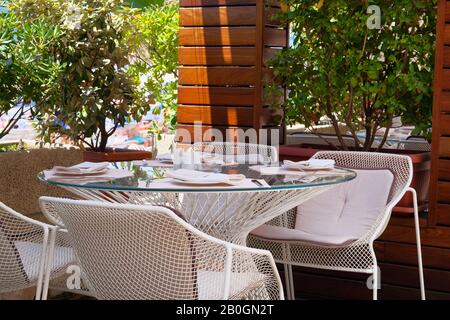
(375, 282)
(287, 269)
(418, 242)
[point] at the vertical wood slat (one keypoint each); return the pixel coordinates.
(224, 47)
(216, 3)
(441, 104)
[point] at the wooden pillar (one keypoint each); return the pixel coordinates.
(440, 171)
(223, 49)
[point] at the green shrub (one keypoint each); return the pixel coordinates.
(156, 63)
(361, 77)
(95, 88)
(28, 70)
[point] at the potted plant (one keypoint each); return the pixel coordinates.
(358, 75)
(97, 94)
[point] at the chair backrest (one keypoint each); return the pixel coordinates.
(13, 231)
(136, 252)
(400, 166)
(269, 154)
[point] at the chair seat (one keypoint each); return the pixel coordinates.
(30, 255)
(284, 234)
(211, 283)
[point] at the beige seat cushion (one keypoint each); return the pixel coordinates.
(340, 215)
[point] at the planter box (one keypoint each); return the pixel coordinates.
(421, 176)
(116, 155)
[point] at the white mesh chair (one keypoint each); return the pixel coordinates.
(337, 229)
(148, 252)
(24, 245)
(241, 152)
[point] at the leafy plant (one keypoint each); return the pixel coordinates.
(96, 94)
(156, 63)
(356, 76)
(28, 70)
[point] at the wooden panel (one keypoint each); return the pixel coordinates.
(440, 145)
(445, 101)
(217, 76)
(392, 274)
(444, 124)
(447, 12)
(217, 56)
(443, 192)
(205, 133)
(444, 147)
(446, 79)
(215, 36)
(314, 286)
(219, 115)
(406, 254)
(447, 57)
(444, 169)
(215, 3)
(216, 96)
(447, 34)
(438, 236)
(275, 37)
(218, 16)
(443, 216)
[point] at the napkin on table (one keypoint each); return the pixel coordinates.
(86, 172)
(311, 163)
(207, 177)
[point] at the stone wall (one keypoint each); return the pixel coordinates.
(20, 188)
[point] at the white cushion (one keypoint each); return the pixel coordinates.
(284, 234)
(211, 283)
(30, 254)
(340, 215)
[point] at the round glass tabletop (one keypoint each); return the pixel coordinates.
(152, 179)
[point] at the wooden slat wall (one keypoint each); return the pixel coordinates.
(224, 45)
(440, 173)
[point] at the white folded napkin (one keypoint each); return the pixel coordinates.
(195, 176)
(311, 164)
(107, 175)
(82, 168)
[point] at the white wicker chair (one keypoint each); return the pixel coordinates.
(268, 154)
(147, 252)
(356, 256)
(24, 245)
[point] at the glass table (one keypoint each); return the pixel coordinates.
(229, 213)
